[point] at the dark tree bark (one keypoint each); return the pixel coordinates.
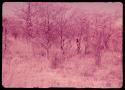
(28, 23)
(5, 25)
(78, 45)
(5, 40)
(99, 47)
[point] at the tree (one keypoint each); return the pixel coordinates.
(25, 14)
(83, 31)
(47, 27)
(5, 25)
(103, 33)
(62, 22)
(45, 24)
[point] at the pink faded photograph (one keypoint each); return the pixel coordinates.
(47, 44)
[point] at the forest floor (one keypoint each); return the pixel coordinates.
(20, 68)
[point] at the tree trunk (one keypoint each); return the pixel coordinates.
(86, 49)
(62, 42)
(98, 59)
(47, 53)
(86, 46)
(62, 46)
(5, 42)
(78, 45)
(98, 49)
(29, 24)
(5, 39)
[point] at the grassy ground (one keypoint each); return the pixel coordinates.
(20, 68)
